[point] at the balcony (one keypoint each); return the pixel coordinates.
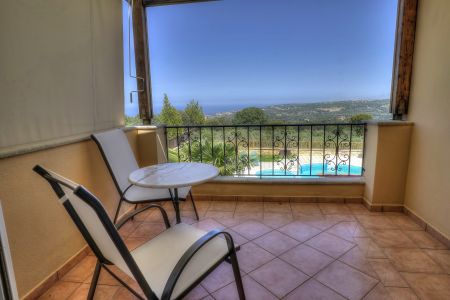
(309, 232)
(330, 211)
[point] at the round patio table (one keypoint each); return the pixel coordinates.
(173, 176)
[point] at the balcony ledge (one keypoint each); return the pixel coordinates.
(330, 180)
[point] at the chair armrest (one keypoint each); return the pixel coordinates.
(189, 254)
(130, 215)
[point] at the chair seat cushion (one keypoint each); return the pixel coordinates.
(158, 257)
(138, 194)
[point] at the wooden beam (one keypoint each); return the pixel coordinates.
(403, 57)
(142, 61)
(169, 2)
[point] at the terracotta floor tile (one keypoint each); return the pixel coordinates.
(201, 205)
(81, 271)
(133, 243)
(237, 238)
(252, 229)
(369, 248)
(336, 218)
(403, 221)
(387, 274)
(249, 207)
(376, 222)
(146, 213)
(330, 244)
(197, 293)
(155, 215)
(276, 220)
(219, 215)
(391, 238)
(148, 230)
(279, 277)
(61, 290)
(356, 259)
(208, 225)
(398, 293)
(334, 208)
(299, 231)
(424, 240)
(251, 257)
(247, 216)
(441, 257)
(312, 289)
(222, 206)
(358, 209)
(252, 289)
(220, 277)
(346, 280)
(306, 259)
(124, 294)
(102, 292)
(275, 242)
(412, 260)
(319, 222)
(228, 221)
(347, 230)
(428, 286)
(277, 207)
(128, 228)
(106, 279)
(379, 292)
(305, 209)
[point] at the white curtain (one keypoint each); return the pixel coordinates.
(61, 70)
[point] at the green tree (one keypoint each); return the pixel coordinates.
(193, 114)
(132, 121)
(218, 120)
(360, 118)
(250, 116)
(205, 154)
(169, 114)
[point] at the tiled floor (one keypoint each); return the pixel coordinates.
(297, 251)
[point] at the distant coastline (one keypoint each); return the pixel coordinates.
(228, 109)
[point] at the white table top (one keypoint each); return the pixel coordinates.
(173, 175)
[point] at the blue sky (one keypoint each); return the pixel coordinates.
(260, 52)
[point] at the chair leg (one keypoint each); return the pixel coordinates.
(98, 268)
(237, 275)
(193, 204)
(117, 210)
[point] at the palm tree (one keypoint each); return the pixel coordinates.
(223, 157)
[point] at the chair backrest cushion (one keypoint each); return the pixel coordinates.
(118, 156)
(92, 215)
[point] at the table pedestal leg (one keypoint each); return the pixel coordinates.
(176, 205)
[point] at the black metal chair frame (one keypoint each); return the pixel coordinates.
(112, 231)
(123, 194)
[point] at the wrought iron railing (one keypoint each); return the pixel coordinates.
(272, 150)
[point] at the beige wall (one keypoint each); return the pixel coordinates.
(386, 162)
(42, 236)
(428, 182)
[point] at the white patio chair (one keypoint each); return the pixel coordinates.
(119, 158)
(166, 267)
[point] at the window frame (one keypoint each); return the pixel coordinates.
(401, 71)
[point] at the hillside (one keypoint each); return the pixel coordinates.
(327, 112)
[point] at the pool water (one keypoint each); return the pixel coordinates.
(314, 170)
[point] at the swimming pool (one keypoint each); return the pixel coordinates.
(315, 169)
